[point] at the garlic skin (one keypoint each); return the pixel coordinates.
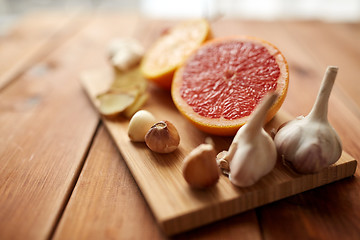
(310, 143)
(222, 163)
(252, 154)
(162, 137)
(139, 125)
(199, 168)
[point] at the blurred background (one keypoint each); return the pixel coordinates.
(324, 10)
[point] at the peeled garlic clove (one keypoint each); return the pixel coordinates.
(254, 154)
(199, 167)
(139, 125)
(162, 137)
(310, 143)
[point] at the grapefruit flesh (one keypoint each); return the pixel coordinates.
(222, 82)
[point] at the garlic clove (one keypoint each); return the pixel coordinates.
(162, 137)
(253, 152)
(199, 167)
(139, 125)
(310, 143)
(253, 161)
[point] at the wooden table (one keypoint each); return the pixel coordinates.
(61, 175)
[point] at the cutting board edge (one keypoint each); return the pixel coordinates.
(171, 227)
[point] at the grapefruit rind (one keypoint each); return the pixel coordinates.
(172, 49)
(222, 126)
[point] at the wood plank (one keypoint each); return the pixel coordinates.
(46, 127)
(106, 202)
(179, 208)
(330, 212)
(42, 149)
(31, 39)
(331, 44)
(245, 225)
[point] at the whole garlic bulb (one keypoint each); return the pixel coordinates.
(252, 154)
(310, 143)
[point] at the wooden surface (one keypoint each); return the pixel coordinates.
(62, 177)
(176, 206)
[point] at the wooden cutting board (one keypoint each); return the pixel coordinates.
(175, 205)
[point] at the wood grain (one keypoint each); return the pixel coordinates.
(46, 127)
(331, 45)
(32, 39)
(43, 143)
(106, 203)
(175, 205)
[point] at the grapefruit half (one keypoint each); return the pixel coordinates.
(171, 49)
(221, 82)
